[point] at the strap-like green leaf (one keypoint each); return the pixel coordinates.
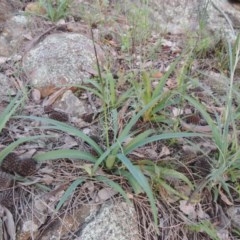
(114, 185)
(163, 136)
(143, 182)
(16, 143)
(65, 153)
(10, 109)
(131, 180)
(66, 128)
(69, 192)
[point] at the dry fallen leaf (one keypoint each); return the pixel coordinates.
(55, 94)
(201, 214)
(177, 111)
(157, 75)
(150, 153)
(171, 83)
(225, 198)
(89, 187)
(47, 179)
(164, 152)
(137, 154)
(46, 91)
(46, 170)
(188, 209)
(105, 194)
(70, 142)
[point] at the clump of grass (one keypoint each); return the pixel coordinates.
(115, 157)
(224, 177)
(55, 9)
(139, 26)
(145, 93)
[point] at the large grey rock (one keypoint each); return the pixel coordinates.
(115, 222)
(60, 59)
(12, 36)
(184, 16)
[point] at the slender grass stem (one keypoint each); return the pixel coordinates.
(105, 108)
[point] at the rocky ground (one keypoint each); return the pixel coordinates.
(48, 54)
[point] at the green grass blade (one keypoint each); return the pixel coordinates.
(163, 173)
(170, 189)
(139, 138)
(69, 192)
(159, 88)
(112, 89)
(166, 172)
(124, 96)
(164, 102)
(116, 187)
(131, 180)
(92, 90)
(143, 182)
(92, 82)
(135, 118)
(216, 133)
(65, 153)
(147, 95)
(104, 156)
(114, 116)
(115, 147)
(123, 137)
(15, 144)
(65, 128)
(163, 136)
(10, 109)
(205, 226)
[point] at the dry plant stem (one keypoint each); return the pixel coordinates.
(230, 94)
(233, 71)
(102, 86)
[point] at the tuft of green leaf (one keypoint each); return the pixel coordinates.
(143, 182)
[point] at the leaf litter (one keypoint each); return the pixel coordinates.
(53, 177)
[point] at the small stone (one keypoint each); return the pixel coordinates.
(72, 105)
